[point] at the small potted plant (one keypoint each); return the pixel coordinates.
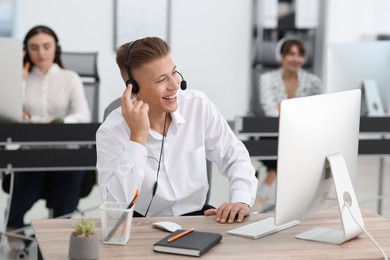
(84, 242)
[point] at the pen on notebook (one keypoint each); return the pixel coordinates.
(185, 232)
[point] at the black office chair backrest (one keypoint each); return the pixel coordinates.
(266, 54)
(85, 64)
(111, 107)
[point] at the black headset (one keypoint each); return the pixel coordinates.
(130, 80)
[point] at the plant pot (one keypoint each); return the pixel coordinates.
(84, 248)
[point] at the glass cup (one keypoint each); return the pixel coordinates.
(116, 222)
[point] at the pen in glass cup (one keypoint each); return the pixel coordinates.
(122, 218)
(123, 230)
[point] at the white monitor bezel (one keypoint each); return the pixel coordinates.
(11, 89)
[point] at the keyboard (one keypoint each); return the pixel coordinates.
(261, 228)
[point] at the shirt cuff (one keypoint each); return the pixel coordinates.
(242, 196)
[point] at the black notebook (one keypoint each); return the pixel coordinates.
(195, 243)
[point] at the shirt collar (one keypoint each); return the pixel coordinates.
(177, 120)
(177, 117)
(299, 73)
(53, 69)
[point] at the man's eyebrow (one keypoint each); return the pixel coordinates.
(162, 75)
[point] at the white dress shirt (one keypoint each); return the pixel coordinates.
(198, 131)
(58, 93)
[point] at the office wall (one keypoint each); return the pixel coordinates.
(210, 43)
(356, 20)
(349, 21)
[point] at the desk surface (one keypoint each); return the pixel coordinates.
(53, 239)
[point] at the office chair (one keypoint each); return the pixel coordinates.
(85, 64)
(89, 180)
(209, 165)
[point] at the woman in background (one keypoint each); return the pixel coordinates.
(51, 95)
(50, 92)
(289, 81)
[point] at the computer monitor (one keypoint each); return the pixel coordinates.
(363, 65)
(11, 93)
(317, 157)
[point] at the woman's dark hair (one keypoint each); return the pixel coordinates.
(37, 30)
(142, 51)
(288, 44)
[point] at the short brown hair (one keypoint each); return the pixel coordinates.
(288, 44)
(142, 51)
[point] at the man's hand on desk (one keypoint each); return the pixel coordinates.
(228, 212)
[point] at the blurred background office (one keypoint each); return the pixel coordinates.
(218, 45)
(226, 33)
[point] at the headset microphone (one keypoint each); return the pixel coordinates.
(183, 83)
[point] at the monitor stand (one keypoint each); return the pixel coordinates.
(372, 98)
(351, 218)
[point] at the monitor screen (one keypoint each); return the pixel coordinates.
(311, 131)
(348, 65)
(11, 93)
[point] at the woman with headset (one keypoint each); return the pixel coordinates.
(51, 95)
(50, 91)
(288, 81)
(158, 141)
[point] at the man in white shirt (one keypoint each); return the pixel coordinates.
(157, 142)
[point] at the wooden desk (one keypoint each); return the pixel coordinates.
(53, 239)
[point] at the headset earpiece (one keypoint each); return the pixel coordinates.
(135, 85)
(58, 50)
(26, 57)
